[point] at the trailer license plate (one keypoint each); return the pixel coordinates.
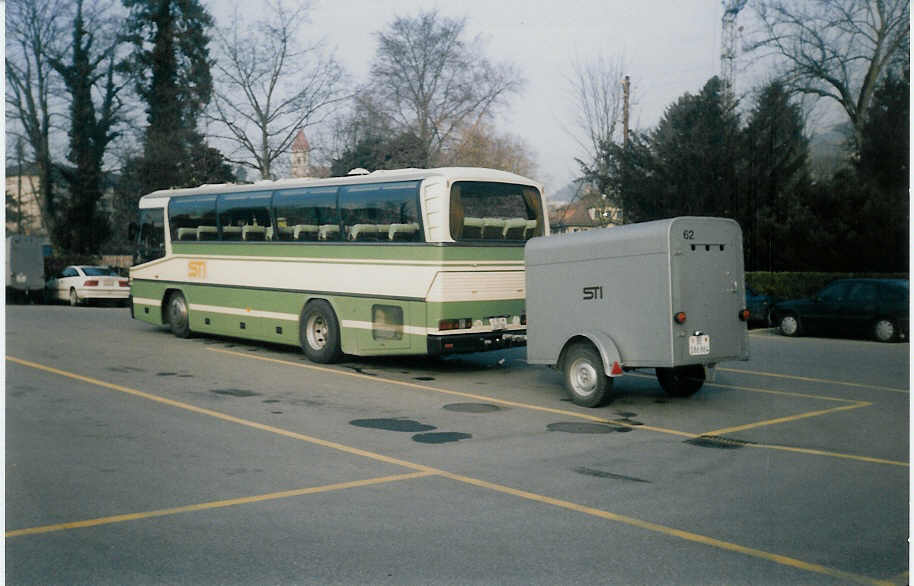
(699, 345)
(498, 323)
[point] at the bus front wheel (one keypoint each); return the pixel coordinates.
(178, 319)
(319, 332)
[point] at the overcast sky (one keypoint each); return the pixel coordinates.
(670, 47)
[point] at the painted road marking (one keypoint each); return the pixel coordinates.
(787, 419)
(214, 504)
(814, 380)
(591, 417)
(428, 471)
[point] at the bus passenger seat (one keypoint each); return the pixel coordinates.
(252, 233)
(187, 233)
(472, 227)
(363, 232)
(402, 231)
(493, 228)
(207, 233)
(530, 230)
(304, 232)
(329, 232)
(231, 232)
(514, 229)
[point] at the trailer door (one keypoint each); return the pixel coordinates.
(708, 285)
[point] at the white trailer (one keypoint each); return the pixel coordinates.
(668, 295)
(24, 267)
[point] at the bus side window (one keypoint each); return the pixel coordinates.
(381, 212)
(306, 214)
(193, 217)
(245, 216)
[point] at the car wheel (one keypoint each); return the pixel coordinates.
(681, 381)
(74, 298)
(585, 378)
(178, 317)
(885, 330)
(319, 332)
(789, 325)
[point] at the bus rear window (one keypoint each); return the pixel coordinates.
(494, 211)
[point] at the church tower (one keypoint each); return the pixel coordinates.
(301, 152)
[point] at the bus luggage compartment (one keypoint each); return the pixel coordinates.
(667, 294)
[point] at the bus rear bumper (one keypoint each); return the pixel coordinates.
(461, 343)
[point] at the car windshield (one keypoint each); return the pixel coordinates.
(99, 272)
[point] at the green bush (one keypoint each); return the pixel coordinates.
(797, 285)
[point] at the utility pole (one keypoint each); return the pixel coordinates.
(626, 94)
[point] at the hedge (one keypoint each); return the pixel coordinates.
(797, 285)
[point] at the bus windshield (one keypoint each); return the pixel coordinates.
(506, 212)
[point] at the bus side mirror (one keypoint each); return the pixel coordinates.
(131, 231)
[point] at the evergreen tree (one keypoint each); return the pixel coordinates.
(83, 229)
(171, 67)
(775, 179)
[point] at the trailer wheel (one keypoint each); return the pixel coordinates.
(681, 381)
(585, 379)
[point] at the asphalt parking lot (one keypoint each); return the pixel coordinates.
(135, 457)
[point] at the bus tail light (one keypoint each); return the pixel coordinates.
(680, 317)
(90, 283)
(455, 324)
(124, 283)
(744, 315)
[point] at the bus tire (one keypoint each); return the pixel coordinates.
(585, 379)
(177, 315)
(681, 381)
(319, 332)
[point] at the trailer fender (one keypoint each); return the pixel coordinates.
(609, 353)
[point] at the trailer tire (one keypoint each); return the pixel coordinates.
(681, 381)
(585, 378)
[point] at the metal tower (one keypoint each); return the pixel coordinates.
(728, 36)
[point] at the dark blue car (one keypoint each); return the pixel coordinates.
(875, 308)
(759, 306)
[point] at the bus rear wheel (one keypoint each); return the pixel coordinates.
(177, 315)
(319, 332)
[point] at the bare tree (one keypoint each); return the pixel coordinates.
(33, 26)
(430, 82)
(269, 85)
(836, 49)
(481, 145)
(597, 96)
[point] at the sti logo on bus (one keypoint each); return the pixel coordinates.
(593, 293)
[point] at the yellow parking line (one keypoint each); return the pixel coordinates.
(214, 504)
(789, 418)
(814, 380)
(402, 383)
(428, 471)
(765, 391)
(575, 413)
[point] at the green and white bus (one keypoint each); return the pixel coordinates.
(409, 261)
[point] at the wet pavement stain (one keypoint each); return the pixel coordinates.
(407, 425)
(423, 378)
(626, 414)
(661, 401)
(271, 401)
(628, 421)
(601, 474)
(472, 407)
(578, 427)
(166, 374)
(234, 392)
(185, 376)
(721, 443)
(442, 437)
(359, 370)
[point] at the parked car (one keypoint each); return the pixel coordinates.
(759, 306)
(78, 283)
(869, 307)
